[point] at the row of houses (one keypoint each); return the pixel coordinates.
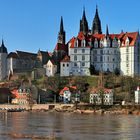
(28, 93)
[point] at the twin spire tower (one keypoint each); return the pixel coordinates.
(96, 26)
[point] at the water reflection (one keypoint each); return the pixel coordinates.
(68, 126)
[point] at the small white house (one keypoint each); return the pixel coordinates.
(137, 95)
(50, 68)
(66, 96)
(100, 96)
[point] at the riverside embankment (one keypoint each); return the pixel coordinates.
(71, 108)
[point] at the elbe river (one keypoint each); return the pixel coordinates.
(68, 126)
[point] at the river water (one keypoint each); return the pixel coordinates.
(66, 126)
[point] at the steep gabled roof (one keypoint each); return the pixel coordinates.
(3, 49)
(25, 55)
(81, 36)
(132, 38)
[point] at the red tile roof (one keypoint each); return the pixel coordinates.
(66, 89)
(96, 90)
(132, 38)
(122, 36)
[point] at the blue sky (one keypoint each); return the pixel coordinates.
(32, 24)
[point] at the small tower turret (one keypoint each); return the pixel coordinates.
(3, 62)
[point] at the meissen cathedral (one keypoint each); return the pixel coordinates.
(89, 52)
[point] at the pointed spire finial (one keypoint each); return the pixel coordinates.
(84, 13)
(107, 31)
(96, 7)
(61, 25)
(2, 42)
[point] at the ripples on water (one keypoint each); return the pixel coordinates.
(69, 126)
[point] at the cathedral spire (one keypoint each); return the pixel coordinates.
(61, 34)
(84, 23)
(96, 25)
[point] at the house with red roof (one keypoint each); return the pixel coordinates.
(101, 96)
(68, 94)
(79, 52)
(25, 94)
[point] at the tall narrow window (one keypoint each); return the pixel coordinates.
(75, 57)
(75, 50)
(83, 57)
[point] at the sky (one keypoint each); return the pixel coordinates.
(30, 25)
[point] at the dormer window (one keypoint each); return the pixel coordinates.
(127, 41)
(114, 43)
(101, 43)
(76, 43)
(119, 43)
(96, 43)
(83, 43)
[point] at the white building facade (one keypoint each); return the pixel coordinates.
(104, 98)
(119, 53)
(79, 52)
(130, 54)
(65, 66)
(137, 95)
(50, 68)
(105, 54)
